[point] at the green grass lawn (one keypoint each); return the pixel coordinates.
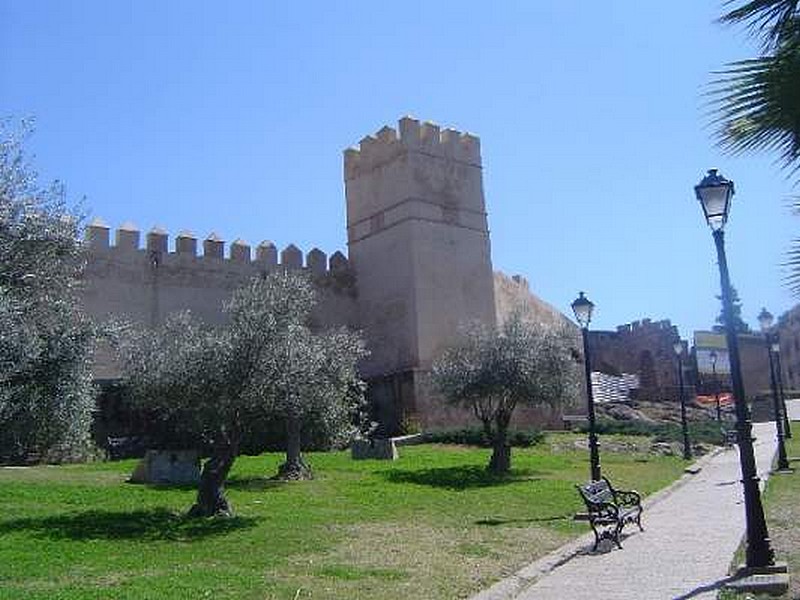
(430, 525)
(783, 519)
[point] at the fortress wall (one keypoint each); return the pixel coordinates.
(446, 160)
(453, 285)
(510, 293)
(418, 238)
(388, 311)
(789, 332)
(513, 293)
(432, 412)
(419, 267)
(419, 241)
(145, 284)
(644, 348)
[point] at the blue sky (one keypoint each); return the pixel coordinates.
(232, 118)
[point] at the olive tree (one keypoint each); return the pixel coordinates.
(220, 381)
(46, 392)
(493, 370)
(318, 385)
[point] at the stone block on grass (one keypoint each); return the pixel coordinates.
(180, 467)
(378, 448)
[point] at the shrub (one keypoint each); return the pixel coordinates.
(475, 436)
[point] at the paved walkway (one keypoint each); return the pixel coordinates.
(691, 533)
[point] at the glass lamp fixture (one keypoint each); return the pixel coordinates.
(765, 320)
(714, 193)
(583, 307)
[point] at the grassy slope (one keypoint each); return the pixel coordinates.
(431, 525)
(783, 521)
(783, 514)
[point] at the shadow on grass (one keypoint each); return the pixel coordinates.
(145, 525)
(166, 486)
(549, 519)
(458, 478)
(251, 483)
(255, 484)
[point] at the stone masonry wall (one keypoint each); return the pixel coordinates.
(419, 267)
(511, 294)
(145, 284)
(418, 241)
(789, 332)
(644, 348)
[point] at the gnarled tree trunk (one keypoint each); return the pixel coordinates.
(295, 468)
(501, 454)
(211, 500)
(500, 462)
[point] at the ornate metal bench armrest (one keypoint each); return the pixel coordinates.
(628, 497)
(603, 511)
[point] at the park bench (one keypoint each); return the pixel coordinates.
(609, 509)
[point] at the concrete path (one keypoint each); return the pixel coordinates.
(691, 533)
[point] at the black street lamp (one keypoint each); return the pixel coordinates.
(776, 352)
(687, 449)
(582, 307)
(713, 356)
(714, 193)
(765, 321)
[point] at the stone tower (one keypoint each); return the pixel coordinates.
(419, 245)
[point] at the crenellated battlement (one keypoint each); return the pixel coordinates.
(646, 326)
(185, 246)
(411, 135)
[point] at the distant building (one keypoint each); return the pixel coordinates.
(753, 358)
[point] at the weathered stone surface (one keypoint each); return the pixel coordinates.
(168, 466)
(378, 448)
(419, 267)
(774, 584)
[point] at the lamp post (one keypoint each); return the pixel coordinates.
(713, 356)
(582, 307)
(687, 449)
(765, 321)
(714, 193)
(776, 351)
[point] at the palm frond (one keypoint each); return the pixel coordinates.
(756, 105)
(792, 268)
(767, 19)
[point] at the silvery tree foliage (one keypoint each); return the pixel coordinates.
(46, 393)
(494, 370)
(264, 362)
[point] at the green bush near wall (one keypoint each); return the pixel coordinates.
(474, 436)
